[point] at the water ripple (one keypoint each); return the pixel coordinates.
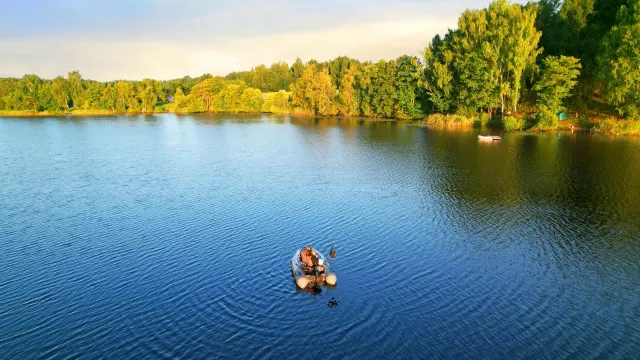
(170, 237)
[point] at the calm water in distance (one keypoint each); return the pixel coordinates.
(170, 236)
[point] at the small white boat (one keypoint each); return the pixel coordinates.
(305, 277)
(489, 138)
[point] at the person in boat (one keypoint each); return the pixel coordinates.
(310, 260)
(305, 256)
(317, 263)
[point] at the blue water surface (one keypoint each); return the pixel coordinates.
(170, 237)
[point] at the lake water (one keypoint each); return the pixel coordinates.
(170, 236)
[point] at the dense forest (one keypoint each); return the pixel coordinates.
(513, 65)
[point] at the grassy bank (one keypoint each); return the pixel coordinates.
(508, 123)
(25, 113)
(594, 117)
(164, 109)
(450, 121)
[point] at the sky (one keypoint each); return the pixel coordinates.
(163, 39)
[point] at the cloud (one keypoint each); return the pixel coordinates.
(123, 58)
(174, 39)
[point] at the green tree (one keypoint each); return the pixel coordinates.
(277, 103)
(124, 95)
(244, 76)
(515, 38)
(6, 91)
(568, 28)
(549, 24)
(600, 22)
(196, 104)
(60, 90)
(339, 66)
(251, 100)
(486, 58)
(148, 99)
(348, 100)
(32, 93)
(439, 73)
(559, 76)
(383, 92)
(92, 96)
(408, 84)
(478, 46)
(278, 77)
(132, 94)
(259, 77)
(314, 93)
(365, 89)
(575, 13)
(77, 88)
(180, 99)
(619, 62)
(206, 92)
(230, 97)
(296, 70)
(46, 100)
(109, 98)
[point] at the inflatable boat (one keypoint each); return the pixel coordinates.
(489, 138)
(312, 276)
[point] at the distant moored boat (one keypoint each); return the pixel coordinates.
(489, 138)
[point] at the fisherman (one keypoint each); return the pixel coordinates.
(317, 263)
(305, 256)
(310, 260)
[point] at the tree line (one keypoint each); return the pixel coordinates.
(498, 58)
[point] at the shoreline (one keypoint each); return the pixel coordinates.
(606, 126)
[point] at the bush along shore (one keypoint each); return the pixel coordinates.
(539, 66)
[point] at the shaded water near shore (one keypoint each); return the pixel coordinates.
(170, 236)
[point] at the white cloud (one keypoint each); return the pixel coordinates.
(122, 58)
(179, 39)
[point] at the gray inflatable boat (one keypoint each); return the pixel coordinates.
(312, 276)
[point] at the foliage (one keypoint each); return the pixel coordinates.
(619, 126)
(619, 62)
(481, 65)
(170, 87)
(297, 69)
(348, 100)
(449, 120)
(179, 99)
(251, 100)
(488, 65)
(511, 123)
(277, 103)
(382, 89)
(338, 68)
(276, 77)
(577, 28)
(564, 25)
(484, 120)
(314, 93)
(546, 119)
(439, 73)
(408, 92)
(559, 76)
